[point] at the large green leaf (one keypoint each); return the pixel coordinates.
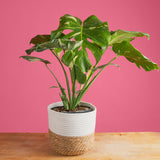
(56, 43)
(120, 35)
(133, 55)
(93, 32)
(33, 59)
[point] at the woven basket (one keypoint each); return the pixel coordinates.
(71, 133)
(71, 145)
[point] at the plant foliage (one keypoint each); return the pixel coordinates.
(71, 51)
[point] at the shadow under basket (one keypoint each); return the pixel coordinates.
(65, 145)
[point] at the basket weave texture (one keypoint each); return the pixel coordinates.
(71, 145)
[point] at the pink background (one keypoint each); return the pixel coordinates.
(127, 99)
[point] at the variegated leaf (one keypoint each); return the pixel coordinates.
(33, 59)
(93, 32)
(133, 55)
(56, 43)
(120, 35)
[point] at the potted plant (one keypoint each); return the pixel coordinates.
(71, 121)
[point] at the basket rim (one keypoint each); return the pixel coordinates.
(60, 103)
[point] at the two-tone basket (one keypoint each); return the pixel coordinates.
(71, 133)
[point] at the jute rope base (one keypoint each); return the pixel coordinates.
(71, 145)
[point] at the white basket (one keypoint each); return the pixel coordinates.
(72, 124)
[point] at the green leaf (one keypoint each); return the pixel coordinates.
(120, 35)
(94, 34)
(29, 51)
(96, 30)
(33, 59)
(55, 35)
(62, 89)
(54, 87)
(56, 43)
(82, 61)
(67, 58)
(79, 75)
(133, 55)
(40, 39)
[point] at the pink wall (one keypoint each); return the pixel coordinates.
(127, 99)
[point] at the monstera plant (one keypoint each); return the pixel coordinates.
(72, 134)
(71, 50)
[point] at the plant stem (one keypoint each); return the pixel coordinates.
(53, 74)
(73, 89)
(61, 88)
(91, 72)
(67, 81)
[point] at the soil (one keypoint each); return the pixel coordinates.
(78, 109)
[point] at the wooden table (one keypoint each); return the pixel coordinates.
(108, 146)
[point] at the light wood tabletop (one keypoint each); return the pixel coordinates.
(108, 146)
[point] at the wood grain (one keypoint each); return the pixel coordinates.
(108, 146)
